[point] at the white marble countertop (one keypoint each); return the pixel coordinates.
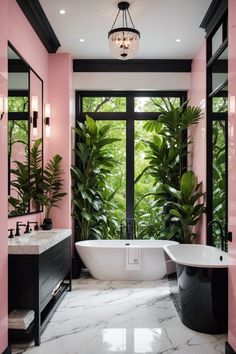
(37, 242)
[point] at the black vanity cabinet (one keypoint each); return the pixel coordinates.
(39, 282)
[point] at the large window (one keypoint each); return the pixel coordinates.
(129, 115)
(217, 126)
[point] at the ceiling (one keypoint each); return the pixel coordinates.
(160, 22)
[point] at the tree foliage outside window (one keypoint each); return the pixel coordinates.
(104, 104)
(148, 216)
(18, 104)
(18, 151)
(220, 105)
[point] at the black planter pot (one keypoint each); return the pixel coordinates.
(47, 224)
(76, 267)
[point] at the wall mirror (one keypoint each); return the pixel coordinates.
(25, 135)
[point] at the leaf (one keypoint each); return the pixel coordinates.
(86, 216)
(187, 184)
(92, 127)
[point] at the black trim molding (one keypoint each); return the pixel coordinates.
(213, 14)
(39, 21)
(17, 66)
(7, 350)
(135, 65)
(229, 349)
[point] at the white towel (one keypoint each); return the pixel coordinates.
(20, 319)
(133, 258)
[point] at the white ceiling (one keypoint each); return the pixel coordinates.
(159, 21)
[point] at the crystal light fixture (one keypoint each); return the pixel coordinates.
(124, 41)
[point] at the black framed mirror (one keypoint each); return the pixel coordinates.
(25, 135)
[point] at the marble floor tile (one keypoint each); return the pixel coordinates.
(130, 317)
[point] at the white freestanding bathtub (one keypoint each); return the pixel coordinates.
(124, 259)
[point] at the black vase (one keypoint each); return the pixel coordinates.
(76, 268)
(47, 224)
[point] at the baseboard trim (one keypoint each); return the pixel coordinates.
(7, 350)
(229, 349)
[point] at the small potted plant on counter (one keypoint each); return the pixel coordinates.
(52, 186)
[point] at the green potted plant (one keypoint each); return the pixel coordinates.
(52, 186)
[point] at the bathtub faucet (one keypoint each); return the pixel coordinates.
(130, 229)
(121, 230)
(222, 238)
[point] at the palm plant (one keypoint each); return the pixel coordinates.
(168, 149)
(94, 162)
(52, 185)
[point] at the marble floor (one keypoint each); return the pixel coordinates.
(131, 317)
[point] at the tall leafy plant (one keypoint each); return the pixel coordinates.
(169, 147)
(94, 162)
(167, 153)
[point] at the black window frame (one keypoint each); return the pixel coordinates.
(211, 118)
(130, 116)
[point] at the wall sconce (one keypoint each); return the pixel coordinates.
(47, 113)
(3, 106)
(34, 119)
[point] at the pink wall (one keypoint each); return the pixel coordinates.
(197, 95)
(58, 69)
(22, 36)
(3, 180)
(232, 172)
(61, 97)
(24, 39)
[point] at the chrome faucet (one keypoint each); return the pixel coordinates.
(222, 237)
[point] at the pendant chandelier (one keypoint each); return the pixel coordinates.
(124, 41)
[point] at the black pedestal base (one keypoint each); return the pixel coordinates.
(201, 298)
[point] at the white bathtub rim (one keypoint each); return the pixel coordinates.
(169, 249)
(122, 243)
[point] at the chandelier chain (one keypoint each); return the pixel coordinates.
(115, 20)
(130, 18)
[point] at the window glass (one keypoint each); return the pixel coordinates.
(220, 70)
(217, 39)
(17, 104)
(220, 104)
(104, 104)
(154, 104)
